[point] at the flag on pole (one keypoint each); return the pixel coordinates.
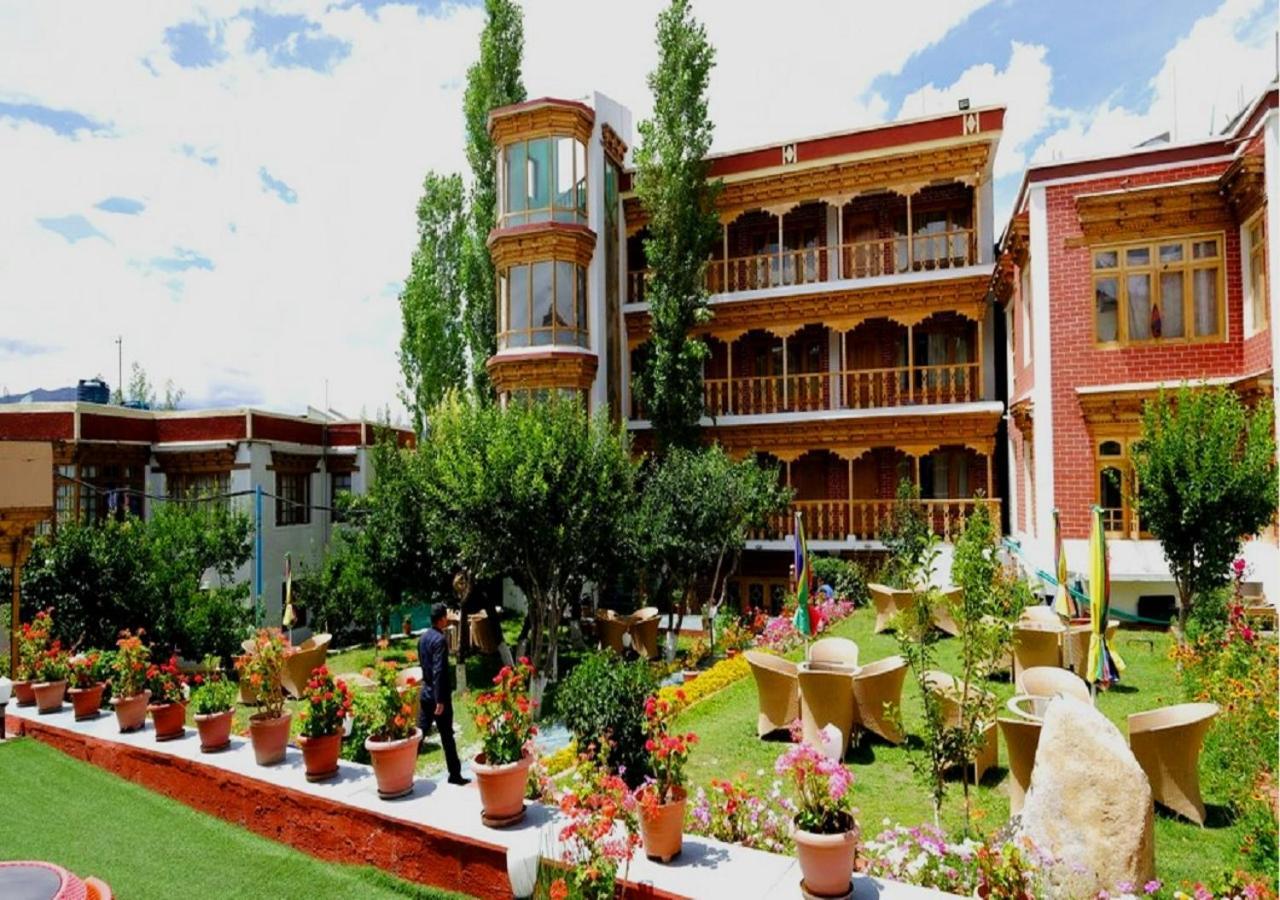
(1062, 603)
(803, 619)
(1104, 664)
(289, 617)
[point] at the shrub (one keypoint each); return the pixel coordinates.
(212, 695)
(730, 812)
(394, 718)
(215, 623)
(847, 578)
(365, 712)
(603, 698)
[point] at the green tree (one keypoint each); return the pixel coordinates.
(907, 536)
(695, 512)
(141, 391)
(671, 182)
(432, 342)
(538, 493)
(1206, 475)
(493, 80)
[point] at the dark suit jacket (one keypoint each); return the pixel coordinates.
(433, 655)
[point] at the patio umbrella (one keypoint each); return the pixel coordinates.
(1062, 603)
(1103, 664)
(290, 618)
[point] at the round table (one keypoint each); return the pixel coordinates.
(39, 881)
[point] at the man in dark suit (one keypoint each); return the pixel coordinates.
(435, 701)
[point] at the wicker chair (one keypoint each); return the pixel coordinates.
(486, 633)
(611, 627)
(888, 602)
(949, 693)
(877, 694)
(827, 699)
(643, 628)
(1021, 738)
(833, 650)
(1035, 645)
(1167, 743)
(1075, 646)
(1050, 681)
(299, 664)
(777, 691)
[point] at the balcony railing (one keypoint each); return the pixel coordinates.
(851, 389)
(865, 520)
(892, 255)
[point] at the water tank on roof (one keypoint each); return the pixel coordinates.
(93, 390)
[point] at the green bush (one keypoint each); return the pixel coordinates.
(604, 697)
(847, 578)
(214, 623)
(366, 714)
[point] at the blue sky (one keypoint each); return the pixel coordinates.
(231, 186)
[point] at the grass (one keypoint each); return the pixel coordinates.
(145, 845)
(886, 787)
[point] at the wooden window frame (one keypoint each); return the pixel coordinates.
(1256, 259)
(579, 332)
(1130, 523)
(1188, 266)
(292, 511)
(508, 218)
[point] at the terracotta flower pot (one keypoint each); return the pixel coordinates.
(320, 755)
(826, 860)
(169, 719)
(662, 830)
(393, 764)
(270, 738)
(87, 701)
(131, 712)
(502, 790)
(215, 730)
(49, 695)
(23, 692)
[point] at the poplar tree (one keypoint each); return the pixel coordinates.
(432, 356)
(493, 80)
(671, 181)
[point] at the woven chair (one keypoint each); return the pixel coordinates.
(486, 633)
(643, 629)
(1050, 681)
(1167, 743)
(833, 650)
(777, 691)
(943, 619)
(949, 693)
(611, 627)
(877, 694)
(1021, 738)
(1075, 646)
(1035, 645)
(826, 699)
(888, 602)
(299, 664)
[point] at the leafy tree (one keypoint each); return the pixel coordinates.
(671, 181)
(432, 342)
(695, 512)
(339, 596)
(538, 493)
(492, 81)
(141, 391)
(907, 536)
(1206, 475)
(845, 576)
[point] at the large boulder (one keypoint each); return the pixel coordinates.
(1089, 805)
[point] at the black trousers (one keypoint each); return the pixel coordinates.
(444, 724)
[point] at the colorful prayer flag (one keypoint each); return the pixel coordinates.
(804, 582)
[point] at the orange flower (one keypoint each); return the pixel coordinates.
(559, 890)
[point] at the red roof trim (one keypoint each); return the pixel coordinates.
(1134, 159)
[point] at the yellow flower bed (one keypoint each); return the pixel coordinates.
(555, 763)
(716, 678)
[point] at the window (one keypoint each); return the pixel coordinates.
(293, 498)
(1256, 243)
(1024, 299)
(197, 484)
(542, 303)
(339, 485)
(1117, 486)
(542, 180)
(1162, 291)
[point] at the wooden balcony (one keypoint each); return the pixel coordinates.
(866, 520)
(895, 255)
(852, 389)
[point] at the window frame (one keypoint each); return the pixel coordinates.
(1188, 266)
(291, 509)
(1130, 523)
(577, 334)
(1255, 260)
(575, 214)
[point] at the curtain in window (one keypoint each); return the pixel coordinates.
(1171, 304)
(1139, 297)
(1205, 292)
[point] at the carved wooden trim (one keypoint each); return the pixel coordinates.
(1150, 212)
(294, 463)
(341, 463)
(846, 436)
(615, 150)
(541, 118)
(1243, 185)
(66, 453)
(542, 369)
(1023, 420)
(222, 459)
(541, 241)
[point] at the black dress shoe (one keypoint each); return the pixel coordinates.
(459, 780)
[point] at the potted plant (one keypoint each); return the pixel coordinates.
(328, 705)
(269, 726)
(504, 719)
(662, 797)
(825, 834)
(88, 680)
(129, 682)
(168, 702)
(393, 742)
(50, 678)
(33, 640)
(213, 700)
(600, 837)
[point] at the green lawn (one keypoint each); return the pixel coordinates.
(885, 785)
(147, 846)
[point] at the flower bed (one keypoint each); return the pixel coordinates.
(716, 678)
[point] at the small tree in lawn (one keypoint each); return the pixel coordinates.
(671, 182)
(539, 493)
(1206, 476)
(907, 536)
